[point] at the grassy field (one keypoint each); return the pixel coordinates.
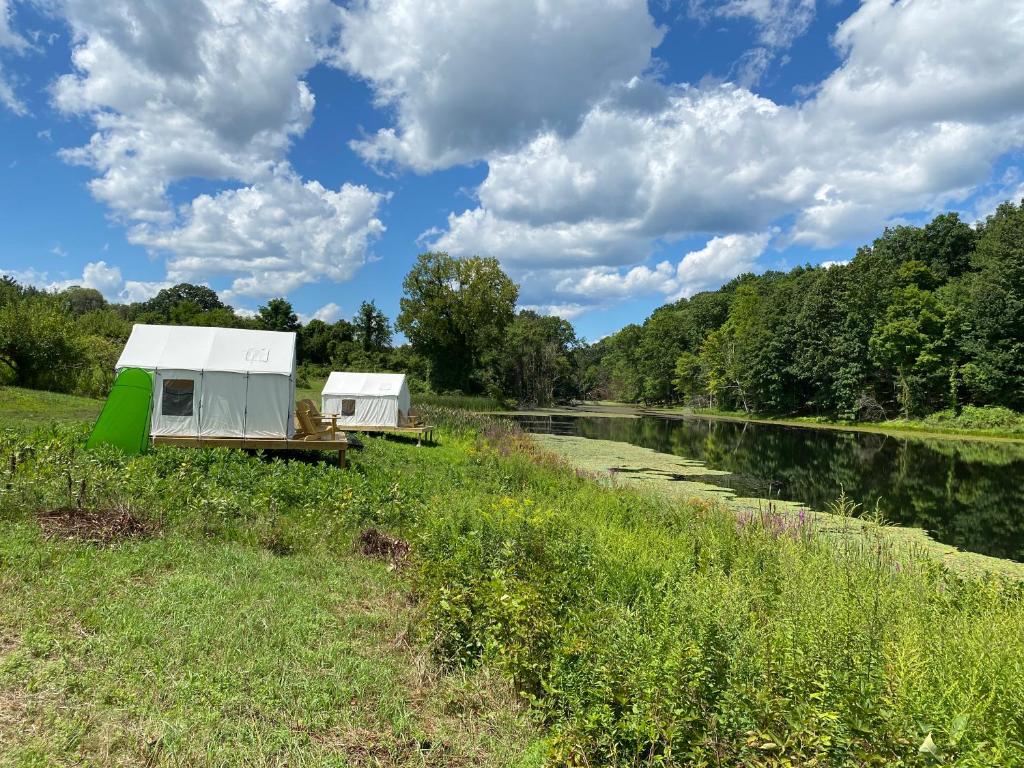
(25, 408)
(235, 631)
(541, 616)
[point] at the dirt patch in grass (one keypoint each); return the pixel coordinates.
(95, 526)
(383, 546)
(369, 747)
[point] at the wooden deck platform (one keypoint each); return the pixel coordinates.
(340, 445)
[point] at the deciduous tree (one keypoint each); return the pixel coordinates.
(455, 312)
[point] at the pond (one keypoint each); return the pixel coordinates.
(966, 493)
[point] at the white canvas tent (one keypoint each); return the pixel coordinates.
(216, 382)
(366, 399)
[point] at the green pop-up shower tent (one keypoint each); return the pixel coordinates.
(124, 421)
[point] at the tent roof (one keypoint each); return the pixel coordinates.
(192, 348)
(364, 384)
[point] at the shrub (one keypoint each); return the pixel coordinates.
(650, 634)
(990, 417)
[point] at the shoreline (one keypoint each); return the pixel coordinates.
(624, 410)
(649, 470)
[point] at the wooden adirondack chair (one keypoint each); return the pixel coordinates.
(312, 425)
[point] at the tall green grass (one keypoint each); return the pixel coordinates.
(650, 633)
(245, 631)
(476, 403)
(640, 631)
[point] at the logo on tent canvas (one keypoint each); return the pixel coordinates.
(257, 355)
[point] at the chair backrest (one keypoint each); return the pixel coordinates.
(306, 420)
(310, 407)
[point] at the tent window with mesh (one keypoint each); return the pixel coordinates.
(177, 399)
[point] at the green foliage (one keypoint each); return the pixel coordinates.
(319, 342)
(371, 328)
(922, 319)
(994, 312)
(80, 300)
(198, 297)
(910, 340)
(278, 315)
(640, 631)
(990, 418)
(537, 362)
(645, 633)
(689, 376)
(39, 344)
(455, 312)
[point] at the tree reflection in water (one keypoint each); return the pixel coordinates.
(968, 494)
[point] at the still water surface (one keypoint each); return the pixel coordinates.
(968, 494)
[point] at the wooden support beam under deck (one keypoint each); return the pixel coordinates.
(340, 445)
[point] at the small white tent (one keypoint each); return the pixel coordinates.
(216, 382)
(366, 399)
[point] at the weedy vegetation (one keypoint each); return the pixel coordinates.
(477, 403)
(539, 615)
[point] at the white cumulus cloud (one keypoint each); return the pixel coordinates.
(926, 100)
(213, 89)
(564, 311)
(721, 258)
(275, 235)
(105, 278)
(470, 77)
(328, 313)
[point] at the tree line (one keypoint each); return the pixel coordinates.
(459, 315)
(923, 319)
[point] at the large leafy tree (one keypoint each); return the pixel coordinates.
(81, 300)
(10, 290)
(829, 346)
(909, 340)
(994, 340)
(625, 377)
(454, 313)
(319, 341)
(278, 315)
(199, 298)
(372, 329)
(688, 379)
(537, 359)
(661, 343)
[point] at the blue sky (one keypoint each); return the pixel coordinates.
(613, 154)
